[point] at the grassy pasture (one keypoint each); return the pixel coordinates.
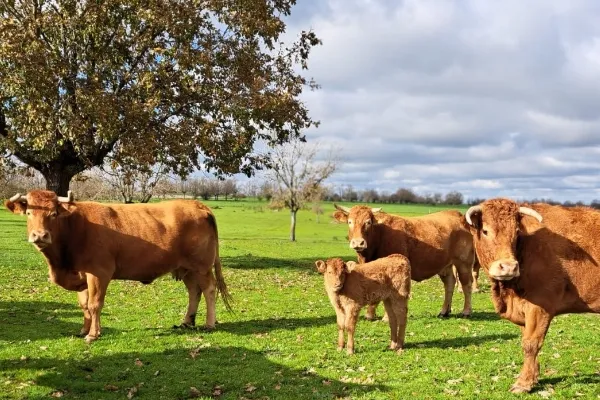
(279, 343)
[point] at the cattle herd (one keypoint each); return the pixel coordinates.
(541, 260)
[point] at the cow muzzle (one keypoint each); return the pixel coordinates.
(40, 238)
(358, 244)
(504, 270)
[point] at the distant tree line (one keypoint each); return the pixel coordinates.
(142, 186)
(400, 196)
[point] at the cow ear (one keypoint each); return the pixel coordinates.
(321, 266)
(16, 207)
(340, 216)
(350, 265)
(65, 209)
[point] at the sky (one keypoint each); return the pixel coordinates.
(490, 98)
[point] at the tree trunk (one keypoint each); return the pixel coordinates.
(293, 227)
(58, 179)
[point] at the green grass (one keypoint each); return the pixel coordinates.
(279, 343)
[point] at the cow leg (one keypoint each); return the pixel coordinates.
(537, 321)
(208, 284)
(475, 274)
(447, 277)
(465, 278)
(371, 313)
(82, 299)
(96, 293)
(341, 320)
(192, 284)
(401, 311)
(350, 324)
(389, 309)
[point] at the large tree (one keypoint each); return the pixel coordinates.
(298, 176)
(180, 83)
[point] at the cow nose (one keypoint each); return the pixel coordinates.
(504, 269)
(358, 244)
(509, 266)
(39, 236)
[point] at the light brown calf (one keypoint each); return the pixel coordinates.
(352, 286)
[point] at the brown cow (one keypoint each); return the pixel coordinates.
(88, 244)
(537, 271)
(432, 243)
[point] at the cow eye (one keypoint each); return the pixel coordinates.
(28, 212)
(53, 214)
(485, 232)
(349, 222)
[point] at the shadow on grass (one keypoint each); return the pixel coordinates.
(227, 372)
(460, 341)
(587, 379)
(250, 262)
(36, 320)
(255, 326)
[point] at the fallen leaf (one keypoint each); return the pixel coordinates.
(217, 391)
(454, 381)
(451, 392)
(132, 392)
(111, 388)
(194, 392)
(546, 393)
(277, 387)
(43, 347)
(250, 388)
(138, 362)
(58, 393)
(326, 382)
(156, 373)
(24, 358)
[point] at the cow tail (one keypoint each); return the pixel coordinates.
(221, 285)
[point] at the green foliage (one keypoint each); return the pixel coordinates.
(279, 343)
(150, 81)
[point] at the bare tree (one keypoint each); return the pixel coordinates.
(229, 188)
(298, 176)
(132, 182)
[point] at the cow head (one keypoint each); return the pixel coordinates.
(334, 272)
(43, 209)
(360, 220)
(495, 225)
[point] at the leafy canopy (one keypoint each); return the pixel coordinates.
(149, 81)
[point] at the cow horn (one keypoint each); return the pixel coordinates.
(342, 208)
(21, 198)
(531, 213)
(375, 210)
(470, 211)
(68, 199)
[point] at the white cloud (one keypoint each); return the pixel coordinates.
(489, 98)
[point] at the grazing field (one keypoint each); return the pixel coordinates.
(281, 341)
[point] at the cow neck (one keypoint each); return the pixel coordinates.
(59, 254)
(372, 252)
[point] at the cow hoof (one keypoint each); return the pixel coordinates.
(89, 339)
(385, 318)
(208, 327)
(517, 388)
(399, 350)
(463, 315)
(442, 315)
(340, 348)
(350, 352)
